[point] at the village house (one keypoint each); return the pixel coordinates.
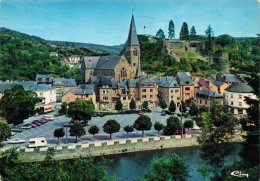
(217, 86)
(62, 86)
(74, 59)
(206, 97)
(54, 54)
(186, 82)
(46, 93)
(44, 79)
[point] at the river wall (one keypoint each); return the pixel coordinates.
(111, 147)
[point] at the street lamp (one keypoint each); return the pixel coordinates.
(67, 107)
(181, 122)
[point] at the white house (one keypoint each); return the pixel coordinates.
(235, 97)
(46, 93)
(74, 59)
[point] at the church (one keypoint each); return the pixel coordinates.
(120, 68)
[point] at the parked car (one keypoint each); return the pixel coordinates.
(168, 112)
(67, 124)
(95, 114)
(43, 121)
(37, 142)
(163, 113)
(36, 122)
(141, 113)
(16, 130)
(49, 117)
(15, 141)
(56, 115)
(32, 125)
(101, 114)
(26, 126)
(185, 114)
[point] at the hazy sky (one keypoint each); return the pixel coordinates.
(107, 21)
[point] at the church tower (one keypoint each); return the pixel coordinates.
(132, 52)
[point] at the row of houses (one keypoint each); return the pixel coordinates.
(104, 91)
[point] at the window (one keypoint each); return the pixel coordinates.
(171, 96)
(187, 88)
(151, 96)
(240, 111)
(171, 91)
(123, 72)
(124, 98)
(41, 94)
(114, 91)
(105, 97)
(187, 94)
(206, 102)
(143, 96)
(240, 103)
(178, 98)
(104, 91)
(143, 90)
(231, 103)
(151, 90)
(200, 101)
(239, 96)
(176, 90)
(135, 52)
(231, 95)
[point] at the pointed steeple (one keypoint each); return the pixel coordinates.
(132, 36)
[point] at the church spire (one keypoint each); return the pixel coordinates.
(132, 36)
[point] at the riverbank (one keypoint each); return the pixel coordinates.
(111, 147)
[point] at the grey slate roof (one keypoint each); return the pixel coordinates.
(6, 85)
(124, 84)
(207, 92)
(86, 89)
(146, 80)
(217, 83)
(75, 56)
(27, 85)
(133, 83)
(64, 82)
(163, 79)
(132, 35)
(43, 76)
(90, 62)
(41, 87)
(240, 88)
(185, 78)
(214, 76)
(170, 84)
(233, 78)
(107, 62)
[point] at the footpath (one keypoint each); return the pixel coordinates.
(99, 148)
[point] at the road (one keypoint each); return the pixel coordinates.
(46, 130)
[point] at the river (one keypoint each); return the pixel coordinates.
(132, 165)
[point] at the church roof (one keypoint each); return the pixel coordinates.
(107, 62)
(132, 36)
(90, 62)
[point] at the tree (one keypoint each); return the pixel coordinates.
(81, 110)
(132, 104)
(173, 124)
(163, 104)
(188, 124)
(111, 126)
(171, 32)
(77, 130)
(17, 104)
(203, 109)
(184, 34)
(145, 105)
(93, 130)
(143, 123)
(201, 119)
(158, 126)
(119, 105)
(194, 110)
(216, 132)
(192, 31)
(59, 133)
(183, 107)
(128, 129)
(163, 169)
(210, 43)
(5, 131)
(160, 34)
(63, 110)
(225, 40)
(172, 106)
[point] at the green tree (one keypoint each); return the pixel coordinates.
(172, 106)
(132, 104)
(5, 130)
(216, 132)
(145, 105)
(143, 123)
(171, 33)
(17, 104)
(201, 119)
(188, 124)
(210, 42)
(173, 124)
(163, 104)
(160, 34)
(81, 110)
(128, 129)
(184, 34)
(173, 168)
(192, 31)
(194, 110)
(77, 130)
(111, 126)
(158, 126)
(225, 40)
(93, 130)
(119, 105)
(183, 107)
(63, 110)
(59, 133)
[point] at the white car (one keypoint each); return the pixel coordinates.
(15, 141)
(26, 126)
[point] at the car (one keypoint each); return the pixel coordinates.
(36, 122)
(16, 130)
(185, 114)
(177, 132)
(32, 125)
(163, 113)
(101, 114)
(26, 126)
(42, 121)
(37, 142)
(141, 113)
(95, 114)
(168, 112)
(15, 141)
(56, 115)
(67, 124)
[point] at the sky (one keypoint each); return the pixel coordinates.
(107, 22)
